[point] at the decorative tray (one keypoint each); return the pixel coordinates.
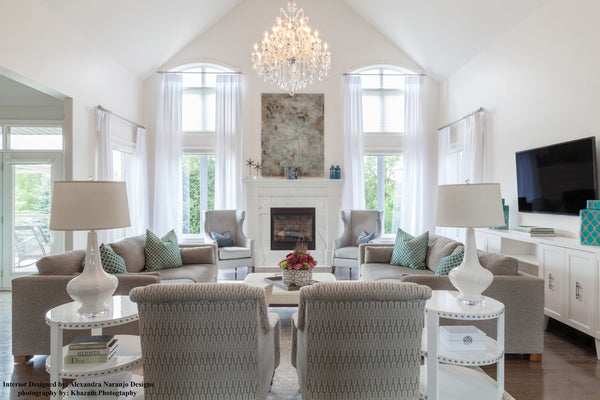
(278, 281)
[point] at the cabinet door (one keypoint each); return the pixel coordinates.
(552, 267)
(494, 244)
(581, 288)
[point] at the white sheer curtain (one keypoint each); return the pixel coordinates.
(416, 204)
(166, 210)
(138, 201)
(228, 154)
(353, 195)
(473, 164)
(104, 162)
(445, 167)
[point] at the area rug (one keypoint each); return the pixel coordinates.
(285, 382)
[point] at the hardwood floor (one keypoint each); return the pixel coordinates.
(569, 369)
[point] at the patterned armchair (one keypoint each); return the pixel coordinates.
(350, 340)
(345, 248)
(207, 341)
(241, 254)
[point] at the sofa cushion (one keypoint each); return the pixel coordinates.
(197, 254)
(365, 237)
(67, 263)
(223, 240)
(234, 252)
(350, 252)
(410, 251)
(381, 271)
(196, 273)
(453, 260)
(132, 251)
(378, 254)
(112, 263)
(162, 253)
(498, 264)
(438, 248)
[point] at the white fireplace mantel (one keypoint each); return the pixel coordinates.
(264, 193)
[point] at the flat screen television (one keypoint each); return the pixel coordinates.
(557, 179)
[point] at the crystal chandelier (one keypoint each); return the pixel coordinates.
(291, 55)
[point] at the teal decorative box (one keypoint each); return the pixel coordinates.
(590, 227)
(593, 205)
(505, 226)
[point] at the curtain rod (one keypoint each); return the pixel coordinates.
(381, 74)
(480, 109)
(201, 72)
(99, 107)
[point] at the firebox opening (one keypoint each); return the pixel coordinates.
(290, 224)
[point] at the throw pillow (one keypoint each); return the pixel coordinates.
(451, 261)
(365, 237)
(410, 251)
(223, 240)
(111, 262)
(162, 253)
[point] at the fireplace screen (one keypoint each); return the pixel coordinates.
(288, 225)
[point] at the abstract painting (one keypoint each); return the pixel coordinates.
(292, 134)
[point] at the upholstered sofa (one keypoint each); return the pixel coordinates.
(34, 295)
(522, 295)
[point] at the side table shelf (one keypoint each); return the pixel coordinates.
(127, 356)
(490, 355)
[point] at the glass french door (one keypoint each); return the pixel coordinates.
(26, 183)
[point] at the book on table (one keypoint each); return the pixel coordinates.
(91, 349)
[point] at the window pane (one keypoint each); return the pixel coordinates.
(371, 79)
(394, 182)
(370, 175)
(123, 169)
(198, 183)
(393, 114)
(198, 111)
(372, 113)
(36, 138)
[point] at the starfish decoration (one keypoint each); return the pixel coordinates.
(250, 162)
(257, 166)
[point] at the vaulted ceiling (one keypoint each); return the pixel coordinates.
(440, 35)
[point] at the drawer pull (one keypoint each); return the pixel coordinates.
(550, 282)
(579, 291)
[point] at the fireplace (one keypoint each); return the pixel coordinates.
(291, 224)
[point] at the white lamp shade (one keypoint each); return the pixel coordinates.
(469, 206)
(89, 205)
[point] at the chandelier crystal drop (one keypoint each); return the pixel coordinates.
(291, 55)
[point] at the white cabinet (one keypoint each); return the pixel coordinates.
(581, 282)
(571, 274)
(551, 265)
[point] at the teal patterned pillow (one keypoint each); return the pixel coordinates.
(451, 261)
(111, 261)
(162, 253)
(410, 251)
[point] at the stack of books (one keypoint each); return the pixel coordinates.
(91, 349)
(536, 231)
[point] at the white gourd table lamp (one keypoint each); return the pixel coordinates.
(90, 205)
(470, 206)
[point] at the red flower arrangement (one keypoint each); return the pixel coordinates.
(299, 259)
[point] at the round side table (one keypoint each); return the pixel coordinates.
(121, 310)
(445, 374)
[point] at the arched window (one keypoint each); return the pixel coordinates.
(198, 160)
(383, 127)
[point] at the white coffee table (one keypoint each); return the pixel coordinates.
(280, 297)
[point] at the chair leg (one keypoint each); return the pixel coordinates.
(236, 274)
(22, 359)
(333, 269)
(534, 357)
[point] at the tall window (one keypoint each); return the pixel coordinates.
(198, 162)
(383, 127)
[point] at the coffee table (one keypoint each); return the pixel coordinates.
(280, 297)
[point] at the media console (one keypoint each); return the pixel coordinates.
(571, 274)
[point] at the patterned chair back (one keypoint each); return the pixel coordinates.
(200, 341)
(360, 338)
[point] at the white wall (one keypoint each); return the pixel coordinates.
(353, 43)
(540, 83)
(37, 45)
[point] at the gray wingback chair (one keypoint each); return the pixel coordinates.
(207, 341)
(345, 248)
(358, 338)
(241, 254)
